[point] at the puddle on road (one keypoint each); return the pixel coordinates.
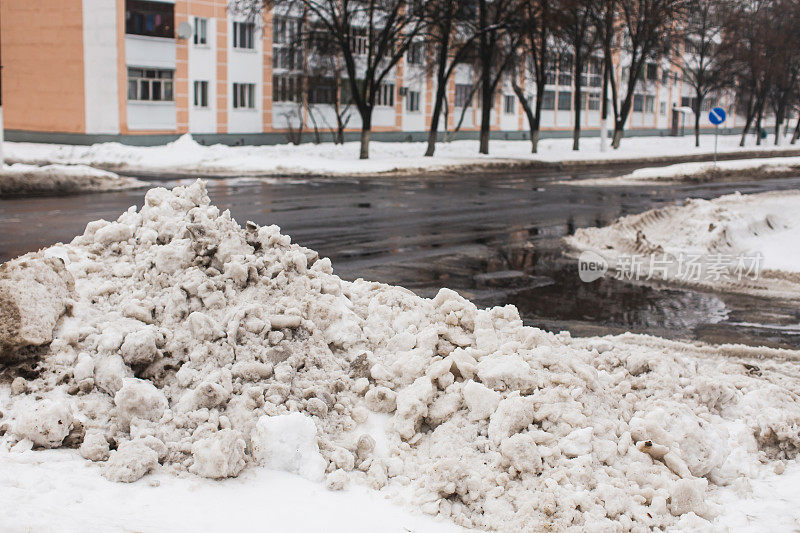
(496, 240)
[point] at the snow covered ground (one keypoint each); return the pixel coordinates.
(20, 179)
(701, 171)
(197, 374)
(726, 236)
(185, 155)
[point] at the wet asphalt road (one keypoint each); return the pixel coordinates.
(494, 237)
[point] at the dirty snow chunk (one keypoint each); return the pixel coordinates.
(34, 293)
(513, 414)
(506, 372)
(46, 424)
(577, 443)
(480, 399)
(130, 462)
(84, 367)
(110, 372)
(113, 232)
(94, 447)
(139, 399)
(219, 456)
(381, 400)
(288, 442)
(141, 347)
(522, 453)
(688, 496)
(412, 406)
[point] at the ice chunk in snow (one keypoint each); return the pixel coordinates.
(513, 414)
(219, 456)
(481, 400)
(506, 372)
(46, 424)
(288, 442)
(139, 399)
(130, 462)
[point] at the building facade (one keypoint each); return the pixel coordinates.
(95, 70)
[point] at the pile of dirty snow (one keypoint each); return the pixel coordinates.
(174, 340)
(21, 179)
(741, 243)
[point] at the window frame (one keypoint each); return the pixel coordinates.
(202, 85)
(413, 101)
(150, 78)
(243, 91)
(564, 96)
(139, 12)
(509, 104)
(249, 34)
(200, 38)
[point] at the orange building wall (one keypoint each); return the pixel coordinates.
(42, 58)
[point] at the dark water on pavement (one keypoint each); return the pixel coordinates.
(493, 237)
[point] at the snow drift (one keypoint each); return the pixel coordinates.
(191, 344)
(21, 179)
(719, 233)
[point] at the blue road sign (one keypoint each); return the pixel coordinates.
(716, 116)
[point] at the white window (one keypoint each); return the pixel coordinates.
(509, 104)
(416, 53)
(649, 103)
(412, 101)
(385, 96)
(201, 93)
(285, 88)
(244, 95)
(463, 95)
(243, 35)
(285, 30)
(359, 41)
(663, 108)
(200, 31)
(594, 101)
(151, 85)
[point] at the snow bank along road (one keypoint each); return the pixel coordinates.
(21, 179)
(771, 167)
(761, 229)
(175, 341)
(187, 156)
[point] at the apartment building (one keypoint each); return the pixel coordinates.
(143, 71)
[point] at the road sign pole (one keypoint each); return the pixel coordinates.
(716, 116)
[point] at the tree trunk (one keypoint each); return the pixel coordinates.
(576, 129)
(366, 133)
(533, 124)
(433, 132)
(794, 137)
(604, 112)
(697, 130)
(486, 117)
(617, 136)
(747, 123)
(441, 88)
(758, 126)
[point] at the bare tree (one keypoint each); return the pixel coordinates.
(579, 32)
(536, 24)
(648, 32)
(451, 33)
(605, 14)
(371, 36)
(701, 65)
(498, 45)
